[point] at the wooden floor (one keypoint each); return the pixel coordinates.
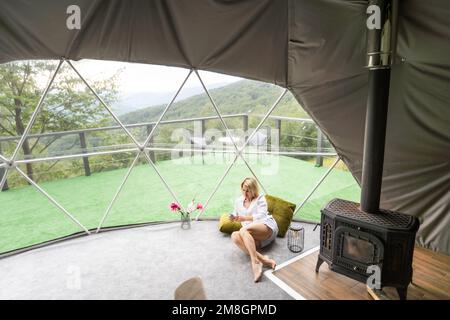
(431, 279)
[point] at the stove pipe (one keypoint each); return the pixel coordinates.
(379, 65)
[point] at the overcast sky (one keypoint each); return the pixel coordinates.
(142, 77)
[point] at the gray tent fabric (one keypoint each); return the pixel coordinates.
(236, 37)
(316, 48)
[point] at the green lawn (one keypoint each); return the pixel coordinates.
(27, 217)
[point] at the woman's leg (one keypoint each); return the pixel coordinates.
(237, 239)
(260, 232)
(250, 234)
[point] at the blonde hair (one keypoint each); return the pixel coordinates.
(252, 186)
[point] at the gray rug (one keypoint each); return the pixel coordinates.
(142, 263)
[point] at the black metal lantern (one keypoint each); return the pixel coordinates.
(296, 238)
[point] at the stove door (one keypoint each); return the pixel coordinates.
(356, 250)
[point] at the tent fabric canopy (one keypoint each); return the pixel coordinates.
(316, 48)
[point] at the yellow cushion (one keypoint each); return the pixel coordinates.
(282, 211)
(228, 226)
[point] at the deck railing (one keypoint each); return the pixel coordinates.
(85, 154)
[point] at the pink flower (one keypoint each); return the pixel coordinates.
(199, 206)
(174, 206)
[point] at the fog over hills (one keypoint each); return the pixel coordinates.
(239, 97)
(129, 102)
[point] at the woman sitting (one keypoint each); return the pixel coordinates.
(259, 228)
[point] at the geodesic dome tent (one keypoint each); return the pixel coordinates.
(315, 48)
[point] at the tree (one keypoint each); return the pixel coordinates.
(69, 104)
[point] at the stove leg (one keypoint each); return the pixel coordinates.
(402, 292)
(319, 263)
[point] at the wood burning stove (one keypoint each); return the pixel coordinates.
(353, 240)
(355, 237)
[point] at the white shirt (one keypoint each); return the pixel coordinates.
(257, 209)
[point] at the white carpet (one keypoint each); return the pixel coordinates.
(142, 263)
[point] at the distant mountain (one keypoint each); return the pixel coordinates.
(138, 100)
(239, 97)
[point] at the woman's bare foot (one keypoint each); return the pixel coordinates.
(257, 271)
(269, 262)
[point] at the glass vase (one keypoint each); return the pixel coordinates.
(185, 221)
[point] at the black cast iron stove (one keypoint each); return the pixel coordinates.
(356, 240)
(353, 241)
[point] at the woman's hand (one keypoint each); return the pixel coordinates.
(235, 218)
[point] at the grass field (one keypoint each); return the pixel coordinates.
(27, 217)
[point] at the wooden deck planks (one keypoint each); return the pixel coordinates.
(431, 279)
